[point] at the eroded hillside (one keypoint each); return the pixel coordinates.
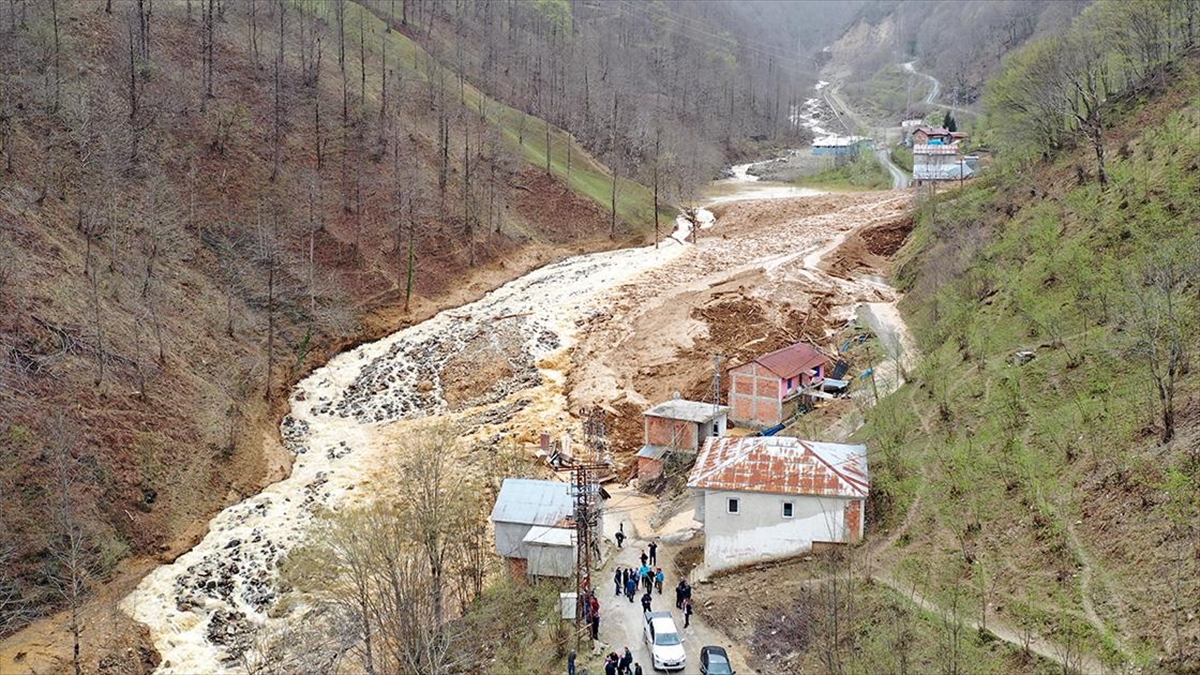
(199, 203)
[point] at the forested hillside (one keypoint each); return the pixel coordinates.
(1044, 456)
(960, 43)
(201, 199)
(652, 88)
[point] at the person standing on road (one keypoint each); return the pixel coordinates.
(637, 669)
(626, 662)
(620, 537)
(679, 594)
(610, 664)
(646, 600)
(649, 579)
(596, 626)
(644, 558)
(653, 553)
(658, 580)
(617, 580)
(687, 612)
(630, 587)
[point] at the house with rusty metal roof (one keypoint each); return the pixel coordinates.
(769, 497)
(771, 388)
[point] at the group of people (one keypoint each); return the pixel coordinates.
(626, 580)
(623, 664)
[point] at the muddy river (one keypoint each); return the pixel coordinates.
(204, 609)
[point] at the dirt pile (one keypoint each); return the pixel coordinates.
(868, 251)
(753, 284)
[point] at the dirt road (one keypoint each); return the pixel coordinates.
(621, 620)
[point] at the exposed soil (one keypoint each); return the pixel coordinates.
(869, 250)
(752, 285)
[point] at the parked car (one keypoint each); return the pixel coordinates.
(665, 642)
(714, 661)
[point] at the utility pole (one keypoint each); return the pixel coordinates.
(585, 487)
(715, 393)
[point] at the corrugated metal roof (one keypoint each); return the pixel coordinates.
(791, 361)
(781, 465)
(689, 411)
(540, 535)
(934, 149)
(942, 171)
(533, 502)
(653, 451)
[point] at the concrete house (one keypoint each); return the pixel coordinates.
(677, 426)
(763, 498)
(940, 162)
(769, 389)
(535, 532)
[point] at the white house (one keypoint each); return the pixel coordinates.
(767, 497)
(535, 529)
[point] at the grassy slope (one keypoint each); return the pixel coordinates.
(864, 173)
(1044, 486)
(885, 94)
(588, 177)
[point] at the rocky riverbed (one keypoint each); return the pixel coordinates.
(483, 365)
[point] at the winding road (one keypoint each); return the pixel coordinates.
(900, 179)
(935, 90)
(935, 87)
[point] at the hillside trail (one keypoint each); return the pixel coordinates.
(1087, 577)
(1070, 658)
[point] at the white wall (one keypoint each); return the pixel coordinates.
(550, 561)
(510, 539)
(760, 532)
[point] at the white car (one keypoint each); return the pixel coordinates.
(665, 642)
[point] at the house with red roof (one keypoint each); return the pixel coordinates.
(925, 134)
(768, 390)
(770, 497)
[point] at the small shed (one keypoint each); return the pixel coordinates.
(550, 551)
(677, 425)
(534, 528)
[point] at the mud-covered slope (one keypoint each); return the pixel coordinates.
(173, 255)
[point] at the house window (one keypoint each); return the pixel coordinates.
(789, 509)
(791, 382)
(733, 505)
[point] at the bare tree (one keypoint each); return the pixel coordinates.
(390, 568)
(71, 562)
(1164, 319)
(14, 610)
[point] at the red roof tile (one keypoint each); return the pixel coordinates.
(781, 465)
(791, 361)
